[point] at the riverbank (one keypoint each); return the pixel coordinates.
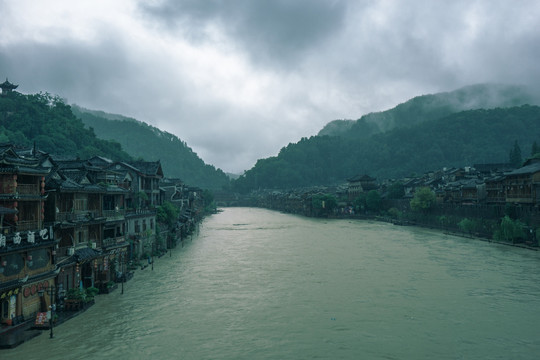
(453, 233)
(13, 336)
(445, 230)
(25, 330)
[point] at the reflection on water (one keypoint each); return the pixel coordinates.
(256, 284)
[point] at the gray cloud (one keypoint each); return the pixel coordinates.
(237, 80)
(272, 32)
(68, 69)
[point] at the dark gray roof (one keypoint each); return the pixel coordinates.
(361, 178)
(151, 168)
(86, 254)
(529, 169)
(12, 162)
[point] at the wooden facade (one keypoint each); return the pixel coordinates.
(27, 247)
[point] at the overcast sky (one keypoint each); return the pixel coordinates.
(239, 79)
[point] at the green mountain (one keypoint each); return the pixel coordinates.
(48, 123)
(423, 134)
(150, 143)
(434, 106)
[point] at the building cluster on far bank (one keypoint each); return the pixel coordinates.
(480, 186)
(67, 226)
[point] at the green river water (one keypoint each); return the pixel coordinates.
(258, 284)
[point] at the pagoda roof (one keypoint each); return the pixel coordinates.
(144, 168)
(8, 86)
(532, 168)
(361, 178)
(150, 168)
(12, 162)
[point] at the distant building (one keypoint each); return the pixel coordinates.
(7, 87)
(359, 184)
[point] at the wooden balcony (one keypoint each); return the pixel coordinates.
(113, 241)
(78, 216)
(114, 214)
(27, 225)
(28, 189)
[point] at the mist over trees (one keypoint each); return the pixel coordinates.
(46, 121)
(425, 133)
(460, 139)
(142, 140)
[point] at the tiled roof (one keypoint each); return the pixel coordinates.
(361, 178)
(529, 169)
(148, 167)
(86, 254)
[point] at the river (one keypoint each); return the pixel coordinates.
(258, 284)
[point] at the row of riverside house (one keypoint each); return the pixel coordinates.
(71, 225)
(483, 191)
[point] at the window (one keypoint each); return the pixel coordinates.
(80, 204)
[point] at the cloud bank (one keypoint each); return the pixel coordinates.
(237, 80)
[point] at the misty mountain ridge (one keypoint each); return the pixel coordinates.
(426, 133)
(433, 106)
(147, 142)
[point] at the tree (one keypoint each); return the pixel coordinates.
(208, 198)
(360, 203)
(466, 225)
(394, 213)
(140, 198)
(515, 155)
(423, 199)
(510, 230)
(324, 203)
(373, 200)
(535, 149)
(167, 214)
(396, 190)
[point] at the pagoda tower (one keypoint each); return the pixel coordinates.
(7, 87)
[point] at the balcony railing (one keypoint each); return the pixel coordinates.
(27, 225)
(78, 216)
(27, 189)
(114, 214)
(113, 241)
(141, 211)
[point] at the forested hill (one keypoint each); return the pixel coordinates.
(142, 140)
(459, 139)
(433, 106)
(47, 122)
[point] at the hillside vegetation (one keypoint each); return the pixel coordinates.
(65, 131)
(424, 134)
(150, 143)
(431, 107)
(47, 122)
